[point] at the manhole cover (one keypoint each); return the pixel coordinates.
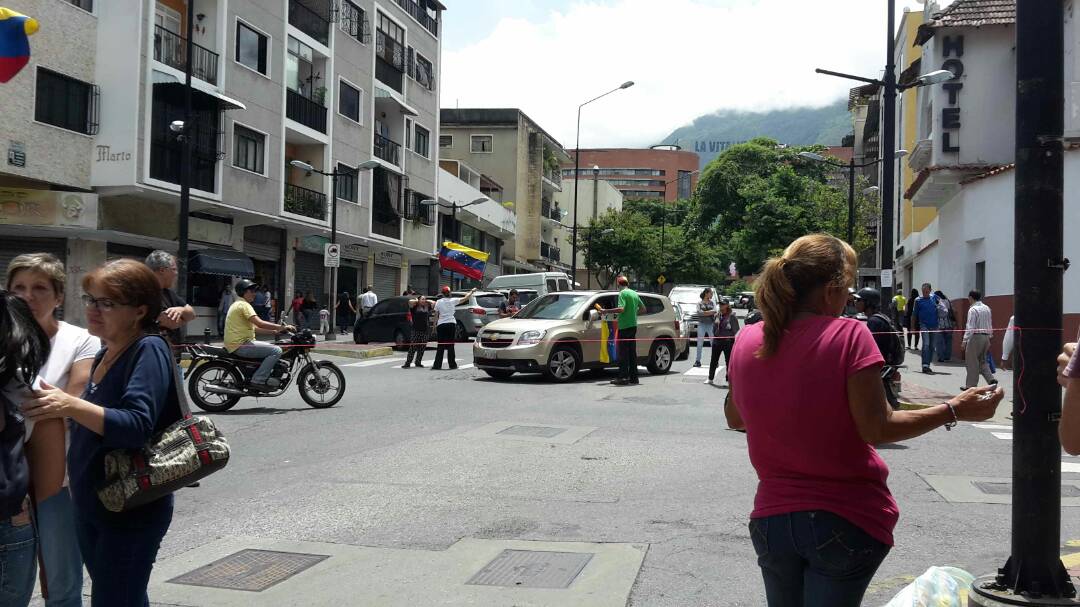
(1006, 489)
(251, 570)
(532, 569)
(539, 431)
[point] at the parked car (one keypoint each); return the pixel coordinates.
(559, 335)
(388, 321)
(541, 282)
(688, 297)
(482, 308)
(684, 330)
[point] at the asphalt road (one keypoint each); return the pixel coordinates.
(393, 466)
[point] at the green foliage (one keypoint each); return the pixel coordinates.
(735, 287)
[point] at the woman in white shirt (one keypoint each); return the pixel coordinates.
(39, 280)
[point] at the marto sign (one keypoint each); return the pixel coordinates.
(952, 49)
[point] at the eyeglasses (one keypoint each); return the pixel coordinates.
(103, 304)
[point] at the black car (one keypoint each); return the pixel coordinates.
(388, 321)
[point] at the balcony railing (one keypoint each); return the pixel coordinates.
(302, 201)
(413, 8)
(307, 112)
(390, 60)
(554, 177)
(388, 150)
(309, 21)
(170, 48)
(549, 252)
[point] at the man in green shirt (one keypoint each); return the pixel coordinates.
(626, 342)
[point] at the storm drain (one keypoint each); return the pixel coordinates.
(1006, 489)
(537, 431)
(532, 569)
(251, 570)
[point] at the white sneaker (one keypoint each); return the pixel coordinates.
(708, 381)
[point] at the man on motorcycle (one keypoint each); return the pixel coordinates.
(240, 326)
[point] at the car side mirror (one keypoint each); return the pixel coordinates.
(594, 316)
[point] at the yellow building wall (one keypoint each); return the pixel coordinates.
(913, 219)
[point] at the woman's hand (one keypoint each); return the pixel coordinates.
(1063, 361)
(977, 404)
(49, 402)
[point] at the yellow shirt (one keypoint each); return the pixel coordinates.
(901, 303)
(238, 327)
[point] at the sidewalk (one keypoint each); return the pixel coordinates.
(918, 388)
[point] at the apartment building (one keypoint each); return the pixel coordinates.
(330, 83)
(661, 172)
(513, 150)
(595, 198)
(472, 212)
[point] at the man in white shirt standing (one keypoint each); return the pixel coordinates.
(980, 328)
(368, 300)
(446, 326)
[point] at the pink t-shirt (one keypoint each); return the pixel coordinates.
(802, 439)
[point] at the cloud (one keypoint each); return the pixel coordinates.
(687, 57)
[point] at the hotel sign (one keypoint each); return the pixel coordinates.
(952, 49)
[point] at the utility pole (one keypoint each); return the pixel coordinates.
(851, 201)
(1034, 574)
(888, 172)
(185, 160)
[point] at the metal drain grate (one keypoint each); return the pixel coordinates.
(538, 431)
(251, 570)
(532, 569)
(1006, 489)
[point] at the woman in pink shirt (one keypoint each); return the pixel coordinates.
(807, 389)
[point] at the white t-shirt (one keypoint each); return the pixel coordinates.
(368, 299)
(70, 345)
(445, 308)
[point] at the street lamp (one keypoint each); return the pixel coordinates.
(851, 166)
(588, 250)
(577, 171)
(331, 333)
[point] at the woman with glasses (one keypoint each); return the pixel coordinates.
(39, 280)
(131, 396)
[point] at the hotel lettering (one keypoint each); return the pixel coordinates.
(952, 49)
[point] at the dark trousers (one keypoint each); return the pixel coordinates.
(445, 333)
(627, 352)
(417, 345)
(910, 336)
(724, 345)
(120, 555)
(814, 559)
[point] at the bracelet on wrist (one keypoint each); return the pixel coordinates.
(955, 420)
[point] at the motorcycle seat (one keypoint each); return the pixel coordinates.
(215, 351)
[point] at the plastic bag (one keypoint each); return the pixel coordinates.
(937, 587)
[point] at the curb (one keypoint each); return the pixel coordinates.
(360, 354)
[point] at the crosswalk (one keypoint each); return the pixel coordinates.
(376, 362)
(1004, 432)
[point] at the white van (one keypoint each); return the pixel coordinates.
(541, 282)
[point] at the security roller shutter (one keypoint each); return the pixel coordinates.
(387, 279)
(310, 274)
(13, 247)
(418, 278)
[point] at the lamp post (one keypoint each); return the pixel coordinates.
(577, 171)
(588, 251)
(331, 333)
(850, 166)
(453, 206)
(185, 160)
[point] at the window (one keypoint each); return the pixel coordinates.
(481, 144)
(684, 185)
(66, 102)
(446, 141)
(349, 101)
(348, 183)
(249, 149)
(412, 205)
(980, 277)
(652, 305)
(423, 72)
(422, 141)
(86, 5)
(251, 48)
(354, 22)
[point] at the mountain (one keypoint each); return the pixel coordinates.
(712, 133)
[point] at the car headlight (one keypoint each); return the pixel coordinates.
(531, 338)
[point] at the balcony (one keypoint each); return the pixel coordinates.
(302, 201)
(387, 150)
(309, 21)
(554, 178)
(307, 112)
(171, 49)
(386, 196)
(417, 12)
(920, 156)
(389, 61)
(550, 211)
(550, 252)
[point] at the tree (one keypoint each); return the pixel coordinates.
(627, 249)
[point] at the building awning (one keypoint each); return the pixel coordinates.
(220, 262)
(226, 103)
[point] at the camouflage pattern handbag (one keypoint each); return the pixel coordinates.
(180, 455)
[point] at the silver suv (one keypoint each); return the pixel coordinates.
(559, 335)
(472, 315)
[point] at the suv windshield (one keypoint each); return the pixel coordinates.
(559, 306)
(489, 301)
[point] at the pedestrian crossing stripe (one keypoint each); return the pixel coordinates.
(697, 371)
(1070, 467)
(1003, 435)
(377, 361)
(992, 427)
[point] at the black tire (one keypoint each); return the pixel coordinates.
(563, 364)
(325, 396)
(358, 336)
(214, 372)
(497, 374)
(459, 332)
(661, 357)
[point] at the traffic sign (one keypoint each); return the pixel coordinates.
(661, 279)
(332, 255)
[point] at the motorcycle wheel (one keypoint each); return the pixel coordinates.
(321, 384)
(214, 373)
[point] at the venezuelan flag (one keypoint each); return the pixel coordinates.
(609, 333)
(15, 30)
(463, 260)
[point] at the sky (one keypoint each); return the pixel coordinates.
(686, 57)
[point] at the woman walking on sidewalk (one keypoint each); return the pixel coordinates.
(806, 387)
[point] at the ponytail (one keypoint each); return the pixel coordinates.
(775, 296)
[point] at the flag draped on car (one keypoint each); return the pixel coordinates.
(14, 43)
(463, 260)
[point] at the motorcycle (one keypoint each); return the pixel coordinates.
(217, 380)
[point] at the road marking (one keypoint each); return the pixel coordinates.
(1003, 435)
(372, 363)
(698, 371)
(1070, 467)
(466, 366)
(992, 427)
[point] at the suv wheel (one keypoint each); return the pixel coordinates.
(661, 356)
(563, 364)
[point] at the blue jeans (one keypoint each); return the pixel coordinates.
(269, 353)
(929, 344)
(60, 550)
(120, 552)
(704, 328)
(944, 346)
(18, 563)
(814, 559)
